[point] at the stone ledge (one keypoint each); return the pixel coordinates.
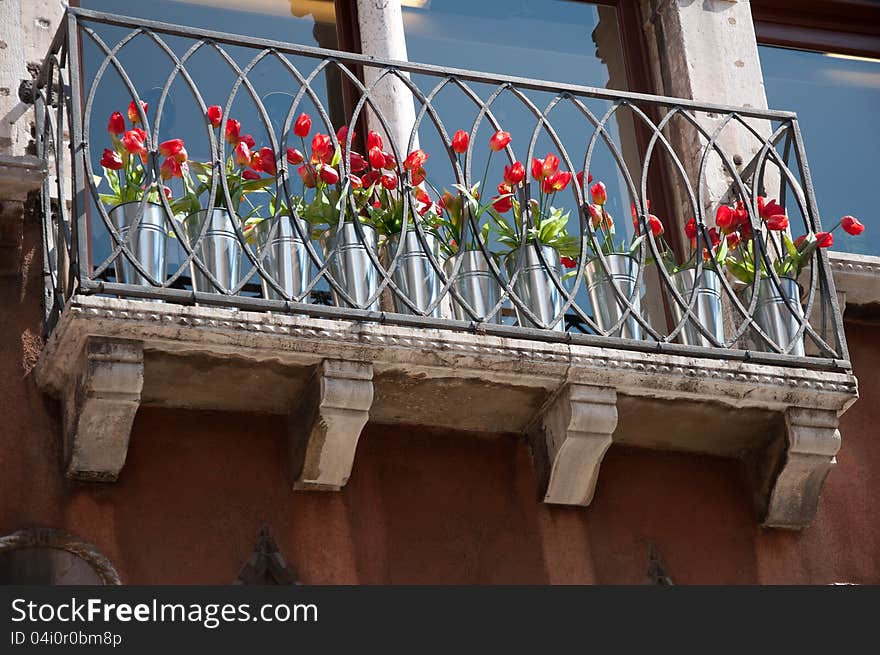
(857, 277)
(19, 175)
(331, 376)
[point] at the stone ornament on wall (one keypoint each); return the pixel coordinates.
(45, 556)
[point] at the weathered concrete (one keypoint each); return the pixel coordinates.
(856, 278)
(326, 424)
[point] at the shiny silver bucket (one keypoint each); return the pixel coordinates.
(350, 265)
(414, 274)
(774, 317)
(284, 255)
(145, 241)
(534, 286)
(475, 284)
(706, 309)
(608, 308)
(219, 249)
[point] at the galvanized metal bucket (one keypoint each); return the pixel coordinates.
(350, 265)
(706, 309)
(219, 249)
(279, 242)
(608, 308)
(475, 284)
(534, 286)
(145, 240)
(414, 274)
(774, 317)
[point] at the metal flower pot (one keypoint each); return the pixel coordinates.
(475, 284)
(534, 286)
(350, 265)
(145, 240)
(414, 274)
(217, 247)
(608, 308)
(774, 317)
(284, 255)
(706, 309)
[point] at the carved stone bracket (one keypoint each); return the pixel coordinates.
(326, 424)
(812, 441)
(99, 405)
(571, 440)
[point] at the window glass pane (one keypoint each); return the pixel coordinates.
(837, 100)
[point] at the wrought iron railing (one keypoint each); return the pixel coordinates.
(381, 243)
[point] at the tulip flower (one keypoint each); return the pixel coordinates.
(714, 237)
(389, 182)
(342, 135)
(308, 178)
(266, 157)
(595, 215)
(567, 262)
(373, 141)
(580, 178)
(233, 131)
(390, 163)
(690, 229)
(329, 174)
(515, 173)
(502, 204)
(544, 168)
(215, 115)
(767, 209)
(173, 148)
(170, 168)
(778, 222)
(355, 181)
(421, 195)
(415, 159)
(852, 225)
(824, 239)
(655, 224)
(248, 140)
(460, 141)
(111, 160)
(499, 140)
(357, 162)
(133, 140)
(294, 156)
(556, 182)
(167, 191)
(250, 175)
(733, 240)
(133, 115)
(418, 176)
(598, 193)
(116, 125)
(377, 158)
(726, 219)
(371, 177)
(242, 154)
(322, 148)
(302, 126)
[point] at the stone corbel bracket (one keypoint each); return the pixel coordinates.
(326, 424)
(99, 401)
(570, 441)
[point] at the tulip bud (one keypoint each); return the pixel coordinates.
(215, 115)
(499, 140)
(824, 239)
(852, 225)
(294, 156)
(302, 126)
(598, 193)
(460, 142)
(111, 160)
(116, 124)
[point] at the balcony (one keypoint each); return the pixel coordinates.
(338, 289)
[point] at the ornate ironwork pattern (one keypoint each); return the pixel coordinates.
(690, 141)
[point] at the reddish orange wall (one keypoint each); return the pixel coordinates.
(421, 506)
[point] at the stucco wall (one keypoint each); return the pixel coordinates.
(421, 506)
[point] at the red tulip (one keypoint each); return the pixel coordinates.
(733, 240)
(557, 182)
(568, 262)
(356, 182)
(824, 239)
(777, 222)
(133, 115)
(233, 131)
(544, 168)
(418, 176)
(116, 124)
(302, 126)
(173, 148)
(322, 148)
(377, 157)
(250, 175)
(373, 141)
(598, 193)
(852, 225)
(415, 159)
(294, 156)
(342, 135)
(421, 195)
(248, 140)
(726, 219)
(655, 224)
(460, 141)
(690, 229)
(215, 115)
(580, 178)
(714, 237)
(134, 140)
(596, 212)
(502, 205)
(767, 209)
(515, 173)
(111, 160)
(389, 182)
(499, 140)
(390, 163)
(308, 178)
(357, 162)
(166, 191)
(267, 161)
(170, 168)
(371, 177)
(800, 241)
(329, 174)
(242, 154)
(377, 204)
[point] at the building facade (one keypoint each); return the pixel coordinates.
(181, 441)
